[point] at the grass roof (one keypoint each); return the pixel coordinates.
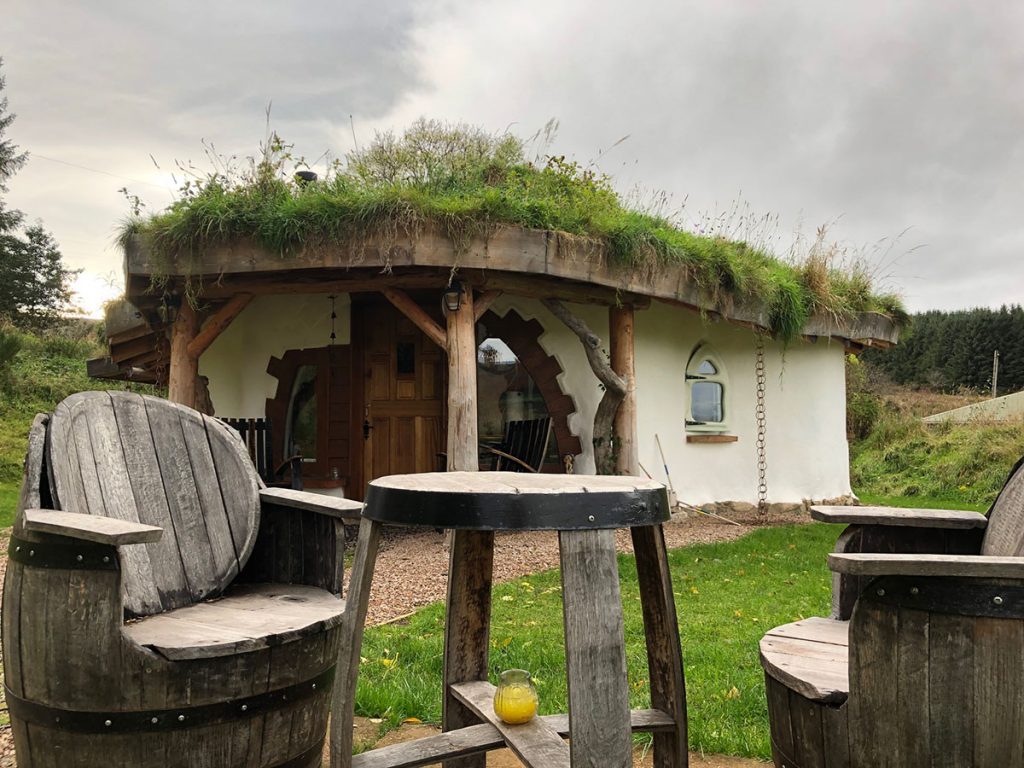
(465, 181)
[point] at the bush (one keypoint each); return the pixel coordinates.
(10, 344)
(862, 411)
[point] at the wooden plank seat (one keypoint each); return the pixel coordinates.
(811, 657)
(161, 607)
(922, 660)
(249, 617)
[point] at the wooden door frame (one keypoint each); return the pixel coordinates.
(359, 304)
(357, 342)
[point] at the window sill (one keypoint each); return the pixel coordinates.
(711, 438)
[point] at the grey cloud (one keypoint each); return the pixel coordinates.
(886, 115)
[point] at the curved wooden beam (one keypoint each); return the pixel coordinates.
(615, 386)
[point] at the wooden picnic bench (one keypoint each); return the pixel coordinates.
(585, 511)
(161, 607)
(921, 661)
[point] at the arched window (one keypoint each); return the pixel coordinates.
(706, 390)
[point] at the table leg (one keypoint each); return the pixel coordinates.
(595, 651)
(352, 622)
(664, 652)
(467, 628)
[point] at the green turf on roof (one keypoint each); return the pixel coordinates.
(464, 181)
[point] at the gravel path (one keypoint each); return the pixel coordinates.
(412, 566)
(412, 569)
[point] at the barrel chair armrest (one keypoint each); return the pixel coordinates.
(343, 509)
(899, 517)
(955, 566)
(895, 530)
(100, 530)
(301, 539)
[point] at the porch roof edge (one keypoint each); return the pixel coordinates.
(510, 251)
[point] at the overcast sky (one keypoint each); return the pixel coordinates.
(900, 123)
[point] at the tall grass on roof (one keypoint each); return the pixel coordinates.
(466, 181)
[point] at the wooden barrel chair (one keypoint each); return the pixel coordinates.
(161, 607)
(922, 661)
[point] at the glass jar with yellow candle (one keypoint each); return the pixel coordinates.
(515, 700)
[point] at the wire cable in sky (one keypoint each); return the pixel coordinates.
(95, 170)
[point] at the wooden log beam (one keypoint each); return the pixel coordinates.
(404, 304)
(461, 346)
(220, 320)
(356, 280)
(614, 385)
(184, 368)
(624, 431)
(483, 303)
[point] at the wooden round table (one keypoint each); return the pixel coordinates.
(585, 510)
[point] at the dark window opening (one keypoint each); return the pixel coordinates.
(300, 434)
(505, 392)
(406, 356)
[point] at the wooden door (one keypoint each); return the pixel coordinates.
(403, 399)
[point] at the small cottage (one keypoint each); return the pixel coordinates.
(374, 350)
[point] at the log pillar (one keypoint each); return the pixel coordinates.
(620, 326)
(188, 343)
(461, 347)
(184, 368)
(470, 563)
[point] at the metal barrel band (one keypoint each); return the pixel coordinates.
(300, 761)
(507, 511)
(77, 721)
(63, 553)
(960, 597)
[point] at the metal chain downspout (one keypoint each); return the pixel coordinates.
(762, 462)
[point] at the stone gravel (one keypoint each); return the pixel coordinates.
(412, 565)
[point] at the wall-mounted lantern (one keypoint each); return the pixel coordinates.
(453, 296)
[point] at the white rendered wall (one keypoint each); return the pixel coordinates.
(805, 401)
(236, 363)
(805, 404)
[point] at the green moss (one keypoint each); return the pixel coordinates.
(465, 182)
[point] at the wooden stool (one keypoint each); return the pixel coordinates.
(584, 510)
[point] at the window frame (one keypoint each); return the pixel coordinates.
(702, 352)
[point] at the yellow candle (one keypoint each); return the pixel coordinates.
(515, 700)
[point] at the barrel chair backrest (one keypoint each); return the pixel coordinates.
(1004, 534)
(147, 460)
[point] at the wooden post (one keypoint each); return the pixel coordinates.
(664, 651)
(467, 626)
(462, 426)
(620, 326)
(188, 343)
(184, 368)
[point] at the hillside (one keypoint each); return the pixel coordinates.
(895, 456)
(43, 371)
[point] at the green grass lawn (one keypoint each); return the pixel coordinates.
(869, 499)
(8, 503)
(727, 595)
